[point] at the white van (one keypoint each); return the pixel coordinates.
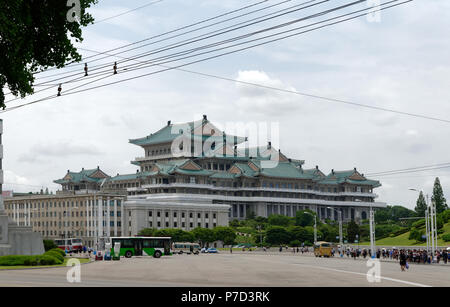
(186, 247)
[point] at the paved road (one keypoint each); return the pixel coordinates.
(237, 270)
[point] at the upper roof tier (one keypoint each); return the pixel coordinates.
(85, 176)
(197, 130)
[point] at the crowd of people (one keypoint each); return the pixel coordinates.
(409, 255)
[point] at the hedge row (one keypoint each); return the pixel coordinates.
(51, 257)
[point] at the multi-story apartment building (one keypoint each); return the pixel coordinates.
(79, 210)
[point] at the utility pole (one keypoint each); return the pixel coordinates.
(432, 221)
(315, 226)
(372, 232)
(341, 237)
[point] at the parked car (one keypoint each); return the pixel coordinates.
(212, 250)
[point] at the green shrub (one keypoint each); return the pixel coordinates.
(49, 244)
(419, 223)
(32, 261)
(55, 255)
(295, 243)
(59, 251)
(13, 260)
(48, 260)
(446, 216)
(446, 237)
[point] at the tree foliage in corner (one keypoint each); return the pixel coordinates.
(421, 205)
(35, 35)
(438, 197)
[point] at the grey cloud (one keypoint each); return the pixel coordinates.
(45, 152)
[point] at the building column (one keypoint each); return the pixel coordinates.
(100, 218)
(115, 217)
(122, 213)
(108, 216)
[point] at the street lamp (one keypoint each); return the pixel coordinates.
(65, 228)
(429, 225)
(340, 227)
(315, 226)
(260, 235)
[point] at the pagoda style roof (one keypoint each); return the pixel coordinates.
(197, 130)
(85, 175)
(348, 176)
(252, 168)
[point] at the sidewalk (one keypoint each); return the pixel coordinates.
(311, 254)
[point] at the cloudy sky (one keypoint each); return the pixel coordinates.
(399, 63)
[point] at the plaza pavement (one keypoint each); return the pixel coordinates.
(240, 269)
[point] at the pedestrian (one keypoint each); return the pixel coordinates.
(281, 248)
(231, 249)
(402, 260)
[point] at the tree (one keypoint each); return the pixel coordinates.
(304, 219)
(204, 235)
(279, 220)
(416, 235)
(250, 215)
(329, 232)
(298, 233)
(392, 213)
(438, 197)
(177, 235)
(147, 232)
(277, 235)
(421, 205)
(49, 244)
(225, 234)
(35, 35)
(352, 231)
(234, 223)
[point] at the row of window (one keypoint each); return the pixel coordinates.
(46, 205)
(175, 225)
(183, 214)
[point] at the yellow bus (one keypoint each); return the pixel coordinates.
(322, 249)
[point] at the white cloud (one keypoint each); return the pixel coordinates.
(262, 100)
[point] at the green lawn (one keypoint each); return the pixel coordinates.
(82, 260)
(402, 240)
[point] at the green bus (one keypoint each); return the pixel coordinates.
(143, 246)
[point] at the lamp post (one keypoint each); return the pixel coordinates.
(429, 227)
(315, 226)
(65, 228)
(340, 227)
(260, 235)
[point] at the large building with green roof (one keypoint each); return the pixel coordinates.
(197, 166)
(192, 175)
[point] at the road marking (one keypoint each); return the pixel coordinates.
(357, 273)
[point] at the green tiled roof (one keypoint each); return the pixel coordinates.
(224, 175)
(339, 177)
(286, 170)
(82, 176)
(171, 132)
(131, 176)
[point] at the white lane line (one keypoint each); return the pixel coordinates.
(357, 273)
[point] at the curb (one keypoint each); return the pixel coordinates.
(40, 268)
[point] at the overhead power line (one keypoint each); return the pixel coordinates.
(100, 66)
(130, 68)
(315, 96)
(127, 12)
(165, 33)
